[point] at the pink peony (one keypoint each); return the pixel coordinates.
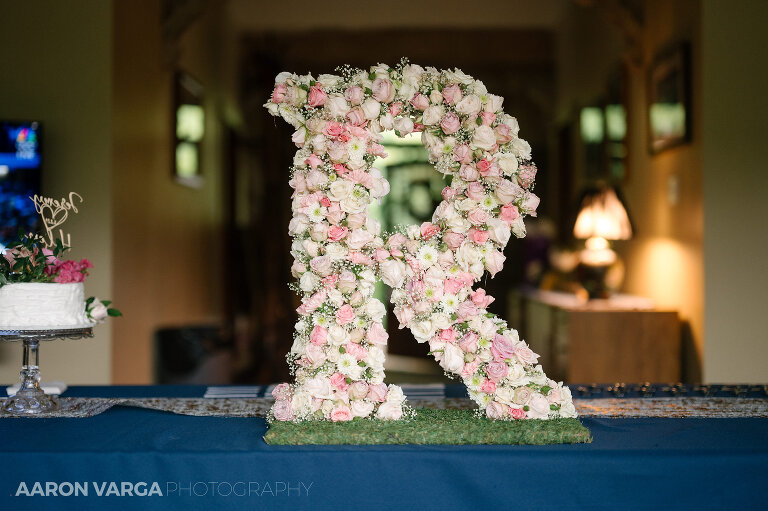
(319, 335)
(488, 386)
(339, 381)
(481, 299)
(509, 213)
(428, 230)
(282, 392)
(333, 129)
(335, 232)
(377, 392)
(478, 236)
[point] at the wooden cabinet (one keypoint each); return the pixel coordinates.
(621, 339)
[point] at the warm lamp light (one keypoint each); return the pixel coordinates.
(602, 217)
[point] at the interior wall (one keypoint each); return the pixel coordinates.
(664, 259)
(168, 237)
(56, 61)
(735, 109)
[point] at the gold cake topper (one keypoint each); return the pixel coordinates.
(54, 213)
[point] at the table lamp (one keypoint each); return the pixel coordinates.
(602, 217)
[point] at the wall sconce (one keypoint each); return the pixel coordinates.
(602, 217)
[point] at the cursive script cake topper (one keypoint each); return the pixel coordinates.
(54, 212)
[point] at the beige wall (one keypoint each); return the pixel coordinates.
(55, 59)
(735, 175)
(664, 260)
(167, 245)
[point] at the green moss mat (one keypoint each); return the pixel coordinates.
(450, 427)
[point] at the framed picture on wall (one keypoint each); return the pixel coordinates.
(188, 130)
(669, 100)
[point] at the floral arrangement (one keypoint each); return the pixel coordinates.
(339, 252)
(27, 260)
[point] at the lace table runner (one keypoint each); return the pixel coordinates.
(669, 407)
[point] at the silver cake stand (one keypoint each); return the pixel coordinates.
(30, 399)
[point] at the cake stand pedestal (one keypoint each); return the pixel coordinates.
(30, 399)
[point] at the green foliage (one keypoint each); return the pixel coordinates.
(429, 427)
(25, 260)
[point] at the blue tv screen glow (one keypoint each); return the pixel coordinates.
(20, 168)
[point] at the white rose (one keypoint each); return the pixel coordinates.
(498, 231)
(310, 247)
(395, 394)
(308, 282)
(453, 358)
(404, 125)
(340, 189)
(375, 358)
(441, 321)
(292, 117)
(521, 148)
(470, 106)
(318, 387)
(508, 163)
(319, 231)
(335, 297)
(371, 108)
(466, 205)
(375, 309)
(494, 103)
(283, 77)
(539, 407)
(336, 251)
(516, 375)
(336, 105)
(337, 335)
(435, 97)
(389, 411)
(423, 330)
(358, 238)
(373, 226)
(361, 408)
(329, 81)
(387, 121)
(504, 394)
(98, 311)
(393, 273)
(301, 403)
(518, 227)
(434, 113)
(484, 138)
(354, 204)
(347, 282)
(467, 255)
(298, 224)
(322, 265)
(319, 144)
(412, 73)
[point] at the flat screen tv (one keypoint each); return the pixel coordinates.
(20, 168)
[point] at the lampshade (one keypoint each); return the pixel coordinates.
(602, 215)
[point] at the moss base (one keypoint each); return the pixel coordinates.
(429, 427)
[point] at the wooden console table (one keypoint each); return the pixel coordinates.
(624, 338)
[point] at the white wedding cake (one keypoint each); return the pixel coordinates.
(36, 305)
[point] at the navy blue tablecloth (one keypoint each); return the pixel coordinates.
(223, 463)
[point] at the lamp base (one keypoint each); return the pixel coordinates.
(593, 279)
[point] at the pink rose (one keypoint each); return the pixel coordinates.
(525, 354)
(517, 413)
(480, 299)
(380, 254)
(282, 392)
(396, 241)
(453, 239)
(335, 232)
(477, 216)
(299, 137)
(356, 351)
(555, 395)
(396, 108)
(313, 161)
(488, 386)
(282, 410)
(317, 96)
(478, 236)
(333, 129)
(530, 203)
(527, 175)
(470, 368)
(345, 314)
(356, 116)
(450, 123)
(420, 102)
(468, 343)
(475, 191)
(319, 335)
(334, 213)
(358, 390)
(452, 286)
(360, 258)
(321, 265)
(503, 133)
(539, 407)
(462, 153)
(341, 414)
(377, 392)
(496, 370)
(452, 94)
(383, 91)
(404, 315)
(487, 118)
(494, 410)
(502, 348)
(466, 310)
(448, 193)
(484, 166)
(278, 95)
(314, 301)
(339, 381)
(354, 95)
(506, 191)
(509, 213)
(448, 334)
(315, 354)
(428, 230)
(468, 173)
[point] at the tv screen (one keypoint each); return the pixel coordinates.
(20, 168)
